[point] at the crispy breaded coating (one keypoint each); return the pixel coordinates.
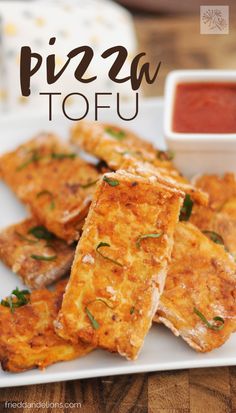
(38, 260)
(120, 263)
(220, 215)
(28, 339)
(114, 144)
(145, 169)
(201, 277)
(220, 189)
(122, 149)
(49, 177)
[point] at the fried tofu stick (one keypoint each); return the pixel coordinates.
(219, 219)
(121, 149)
(28, 339)
(50, 178)
(220, 189)
(120, 263)
(113, 144)
(145, 169)
(34, 253)
(200, 285)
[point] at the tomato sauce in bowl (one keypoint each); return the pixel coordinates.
(205, 107)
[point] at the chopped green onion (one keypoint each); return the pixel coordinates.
(20, 294)
(111, 182)
(132, 310)
(214, 237)
(8, 303)
(118, 134)
(165, 155)
(55, 155)
(186, 210)
(102, 300)
(21, 299)
(41, 232)
(43, 257)
(34, 158)
(105, 244)
(217, 326)
(94, 322)
(46, 192)
(23, 238)
(139, 240)
(37, 157)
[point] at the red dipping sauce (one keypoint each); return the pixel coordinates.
(205, 108)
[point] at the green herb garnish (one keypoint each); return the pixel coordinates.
(217, 326)
(214, 237)
(43, 257)
(94, 322)
(118, 134)
(55, 155)
(165, 155)
(141, 237)
(35, 157)
(46, 192)
(132, 310)
(84, 186)
(23, 238)
(186, 210)
(111, 182)
(21, 297)
(41, 232)
(8, 302)
(105, 244)
(102, 300)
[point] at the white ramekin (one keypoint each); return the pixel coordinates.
(198, 152)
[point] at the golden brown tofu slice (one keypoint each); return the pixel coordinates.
(120, 263)
(200, 285)
(114, 144)
(220, 216)
(122, 149)
(224, 223)
(49, 177)
(34, 253)
(220, 189)
(145, 169)
(28, 339)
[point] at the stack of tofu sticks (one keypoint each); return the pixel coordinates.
(124, 223)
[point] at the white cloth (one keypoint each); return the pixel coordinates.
(98, 23)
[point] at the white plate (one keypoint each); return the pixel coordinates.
(162, 350)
